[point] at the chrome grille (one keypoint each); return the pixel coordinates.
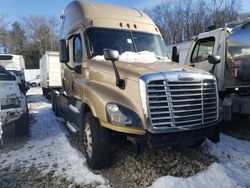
(182, 104)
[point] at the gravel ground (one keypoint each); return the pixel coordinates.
(127, 171)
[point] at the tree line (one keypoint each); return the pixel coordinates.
(178, 21)
(30, 37)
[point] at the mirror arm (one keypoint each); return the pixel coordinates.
(213, 69)
(119, 82)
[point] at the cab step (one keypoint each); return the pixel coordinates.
(72, 127)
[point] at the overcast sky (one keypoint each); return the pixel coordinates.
(14, 9)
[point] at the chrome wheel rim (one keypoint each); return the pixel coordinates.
(88, 140)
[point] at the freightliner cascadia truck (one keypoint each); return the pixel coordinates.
(116, 79)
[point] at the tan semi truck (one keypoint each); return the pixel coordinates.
(116, 79)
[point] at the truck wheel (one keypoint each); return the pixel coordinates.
(96, 141)
(45, 92)
(198, 143)
(53, 100)
(56, 110)
(22, 125)
(1, 143)
(33, 85)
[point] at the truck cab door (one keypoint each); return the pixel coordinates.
(202, 47)
(77, 62)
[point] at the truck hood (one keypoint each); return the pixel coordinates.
(134, 71)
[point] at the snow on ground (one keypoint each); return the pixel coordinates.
(134, 57)
(48, 148)
(233, 169)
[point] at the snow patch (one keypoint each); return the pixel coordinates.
(134, 57)
(48, 148)
(233, 169)
(215, 176)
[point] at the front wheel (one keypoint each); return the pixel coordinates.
(96, 140)
(33, 85)
(22, 125)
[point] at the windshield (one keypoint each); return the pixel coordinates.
(5, 75)
(124, 41)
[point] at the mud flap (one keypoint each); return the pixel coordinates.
(1, 136)
(227, 108)
(216, 137)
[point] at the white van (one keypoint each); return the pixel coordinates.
(50, 72)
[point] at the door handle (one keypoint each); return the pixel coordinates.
(192, 65)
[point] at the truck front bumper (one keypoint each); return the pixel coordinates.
(177, 139)
(10, 115)
(184, 138)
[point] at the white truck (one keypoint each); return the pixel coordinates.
(225, 52)
(15, 64)
(50, 72)
(14, 115)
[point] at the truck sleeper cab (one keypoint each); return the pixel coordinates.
(116, 78)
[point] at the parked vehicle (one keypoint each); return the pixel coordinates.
(13, 107)
(138, 93)
(50, 72)
(35, 82)
(15, 64)
(229, 49)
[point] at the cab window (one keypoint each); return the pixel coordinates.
(77, 49)
(203, 48)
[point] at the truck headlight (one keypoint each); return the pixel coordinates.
(122, 116)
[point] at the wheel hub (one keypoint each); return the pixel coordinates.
(88, 140)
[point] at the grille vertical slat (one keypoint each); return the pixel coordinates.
(180, 104)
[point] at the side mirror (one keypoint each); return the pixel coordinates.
(214, 59)
(63, 51)
(111, 55)
(175, 54)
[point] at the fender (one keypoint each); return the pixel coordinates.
(97, 95)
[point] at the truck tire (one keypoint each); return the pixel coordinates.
(1, 143)
(54, 104)
(96, 141)
(53, 101)
(198, 143)
(22, 125)
(33, 85)
(45, 92)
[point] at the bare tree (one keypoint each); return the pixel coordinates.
(180, 20)
(222, 11)
(3, 33)
(42, 31)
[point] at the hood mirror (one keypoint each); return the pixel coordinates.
(113, 55)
